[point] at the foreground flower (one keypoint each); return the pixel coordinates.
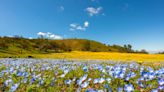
(128, 88)
(82, 79)
(161, 81)
(84, 85)
(19, 73)
(85, 69)
(14, 87)
(68, 82)
(101, 80)
(89, 79)
(96, 81)
(8, 82)
(108, 80)
(161, 87)
(62, 76)
(154, 90)
(120, 89)
(106, 86)
(91, 90)
(99, 91)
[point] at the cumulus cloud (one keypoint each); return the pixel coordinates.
(94, 11)
(75, 26)
(49, 35)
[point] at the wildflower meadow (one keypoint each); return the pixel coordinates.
(49, 75)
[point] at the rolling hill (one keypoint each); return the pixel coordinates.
(20, 45)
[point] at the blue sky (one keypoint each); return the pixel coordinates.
(136, 22)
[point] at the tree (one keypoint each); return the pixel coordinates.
(161, 53)
(125, 47)
(129, 47)
(143, 51)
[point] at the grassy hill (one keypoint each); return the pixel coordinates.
(20, 45)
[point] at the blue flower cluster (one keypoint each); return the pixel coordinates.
(58, 75)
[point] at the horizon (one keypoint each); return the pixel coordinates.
(139, 23)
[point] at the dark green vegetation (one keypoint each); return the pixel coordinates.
(161, 53)
(20, 45)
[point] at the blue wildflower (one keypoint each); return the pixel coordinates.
(14, 87)
(68, 82)
(119, 89)
(84, 85)
(161, 81)
(154, 90)
(128, 88)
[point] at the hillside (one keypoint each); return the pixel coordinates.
(19, 45)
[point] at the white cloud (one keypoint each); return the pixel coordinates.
(94, 11)
(75, 26)
(53, 36)
(41, 34)
(30, 38)
(49, 35)
(86, 24)
(80, 28)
